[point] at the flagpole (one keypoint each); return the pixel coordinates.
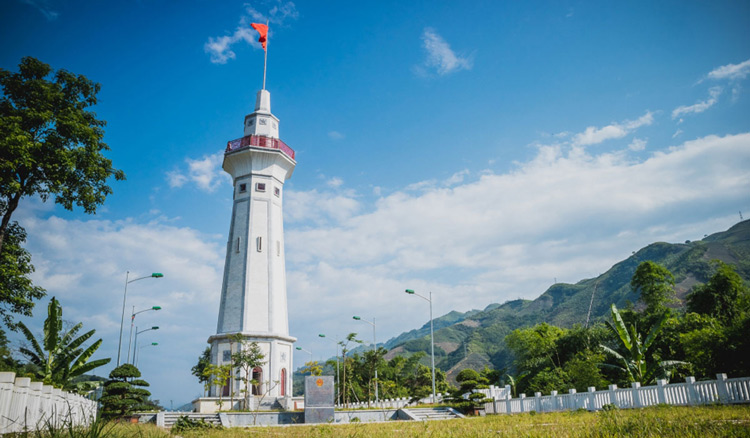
(265, 59)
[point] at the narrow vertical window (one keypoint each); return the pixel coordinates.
(260, 243)
(238, 244)
(277, 191)
(278, 248)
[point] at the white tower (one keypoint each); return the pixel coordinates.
(253, 293)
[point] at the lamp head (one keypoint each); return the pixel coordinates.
(157, 275)
(156, 308)
(410, 291)
(156, 327)
(356, 317)
(154, 343)
(321, 335)
(299, 348)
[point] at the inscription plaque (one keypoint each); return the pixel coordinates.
(318, 399)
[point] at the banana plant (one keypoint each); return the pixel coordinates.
(633, 352)
(60, 357)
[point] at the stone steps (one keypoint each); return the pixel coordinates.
(170, 418)
(428, 414)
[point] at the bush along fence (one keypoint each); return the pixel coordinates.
(689, 393)
(28, 406)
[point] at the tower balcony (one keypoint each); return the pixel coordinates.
(261, 142)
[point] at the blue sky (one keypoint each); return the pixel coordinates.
(479, 150)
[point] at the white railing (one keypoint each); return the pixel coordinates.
(27, 405)
(393, 403)
(721, 390)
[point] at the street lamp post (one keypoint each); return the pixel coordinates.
(135, 344)
(138, 356)
(122, 319)
(310, 353)
(432, 339)
(338, 375)
(374, 349)
(132, 320)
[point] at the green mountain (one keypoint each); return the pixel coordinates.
(475, 338)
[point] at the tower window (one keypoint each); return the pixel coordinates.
(227, 356)
(277, 191)
(260, 243)
(278, 248)
(243, 188)
(260, 187)
(249, 122)
(237, 245)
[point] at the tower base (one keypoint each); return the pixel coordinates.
(211, 405)
(273, 378)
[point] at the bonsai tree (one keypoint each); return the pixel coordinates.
(467, 397)
(123, 392)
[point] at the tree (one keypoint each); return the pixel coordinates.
(467, 396)
(655, 284)
(351, 337)
(60, 356)
(50, 143)
(217, 375)
(535, 348)
(247, 358)
(313, 368)
(203, 361)
(123, 392)
(633, 354)
(724, 296)
(16, 289)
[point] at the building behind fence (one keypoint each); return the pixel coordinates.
(689, 393)
(27, 405)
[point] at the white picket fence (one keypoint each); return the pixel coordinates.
(721, 390)
(27, 405)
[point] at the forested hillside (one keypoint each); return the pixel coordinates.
(475, 339)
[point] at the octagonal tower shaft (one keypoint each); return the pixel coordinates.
(253, 294)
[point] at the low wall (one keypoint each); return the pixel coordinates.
(247, 419)
(27, 405)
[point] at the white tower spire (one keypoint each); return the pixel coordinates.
(253, 293)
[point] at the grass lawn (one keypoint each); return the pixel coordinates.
(678, 422)
(659, 421)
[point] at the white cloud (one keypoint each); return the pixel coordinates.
(175, 179)
(594, 135)
(569, 215)
(318, 207)
(84, 263)
(440, 57)
(731, 71)
(335, 135)
(698, 107)
(220, 48)
(335, 182)
(206, 173)
(638, 144)
(457, 178)
(45, 7)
